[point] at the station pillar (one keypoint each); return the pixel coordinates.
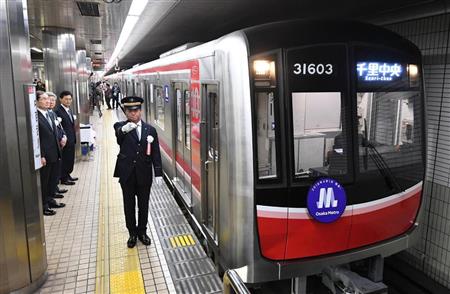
(23, 261)
(82, 86)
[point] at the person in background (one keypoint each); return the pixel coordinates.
(108, 95)
(98, 96)
(68, 123)
(62, 138)
(115, 95)
(50, 154)
(139, 155)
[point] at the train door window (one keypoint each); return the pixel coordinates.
(187, 119)
(265, 132)
(159, 106)
(179, 115)
(319, 142)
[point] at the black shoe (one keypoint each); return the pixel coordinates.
(132, 241)
(56, 205)
(145, 239)
(73, 179)
(68, 183)
(49, 212)
(61, 191)
(58, 196)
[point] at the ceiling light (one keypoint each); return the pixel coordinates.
(36, 49)
(136, 9)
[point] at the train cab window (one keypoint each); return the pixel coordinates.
(187, 119)
(320, 147)
(159, 106)
(266, 144)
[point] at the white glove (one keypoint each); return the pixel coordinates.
(158, 180)
(129, 127)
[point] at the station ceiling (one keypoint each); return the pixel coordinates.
(166, 24)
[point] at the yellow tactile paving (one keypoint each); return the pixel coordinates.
(182, 241)
(118, 268)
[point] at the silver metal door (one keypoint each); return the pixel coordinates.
(211, 163)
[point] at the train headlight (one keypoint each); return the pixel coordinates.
(413, 72)
(264, 73)
(261, 68)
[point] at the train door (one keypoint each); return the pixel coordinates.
(182, 140)
(210, 131)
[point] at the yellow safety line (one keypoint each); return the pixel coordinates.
(191, 239)
(186, 239)
(118, 268)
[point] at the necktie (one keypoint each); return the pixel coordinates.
(49, 120)
(70, 115)
(138, 131)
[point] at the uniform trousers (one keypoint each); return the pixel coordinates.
(49, 181)
(131, 189)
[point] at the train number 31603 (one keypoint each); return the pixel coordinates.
(313, 69)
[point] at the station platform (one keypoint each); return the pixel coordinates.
(86, 240)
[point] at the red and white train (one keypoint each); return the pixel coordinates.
(294, 145)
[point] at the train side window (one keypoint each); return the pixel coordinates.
(320, 147)
(187, 119)
(265, 132)
(159, 106)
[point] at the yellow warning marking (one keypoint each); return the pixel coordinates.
(172, 241)
(118, 268)
(191, 239)
(186, 239)
(177, 241)
(182, 241)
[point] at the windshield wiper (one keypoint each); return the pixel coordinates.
(380, 163)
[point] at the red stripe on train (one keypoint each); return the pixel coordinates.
(292, 238)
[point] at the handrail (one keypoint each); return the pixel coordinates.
(232, 283)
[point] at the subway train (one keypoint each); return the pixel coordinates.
(293, 145)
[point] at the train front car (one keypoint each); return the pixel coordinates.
(338, 145)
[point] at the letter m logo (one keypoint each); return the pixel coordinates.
(326, 198)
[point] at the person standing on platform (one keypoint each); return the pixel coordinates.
(62, 138)
(50, 154)
(139, 152)
(115, 95)
(108, 95)
(68, 123)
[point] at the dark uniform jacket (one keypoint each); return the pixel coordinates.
(133, 154)
(50, 149)
(67, 124)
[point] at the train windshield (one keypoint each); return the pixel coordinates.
(390, 131)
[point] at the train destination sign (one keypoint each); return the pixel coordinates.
(326, 200)
(378, 71)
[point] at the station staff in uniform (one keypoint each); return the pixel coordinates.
(139, 153)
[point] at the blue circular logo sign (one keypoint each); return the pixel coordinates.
(326, 200)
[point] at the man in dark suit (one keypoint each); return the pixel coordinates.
(62, 138)
(68, 123)
(139, 152)
(50, 154)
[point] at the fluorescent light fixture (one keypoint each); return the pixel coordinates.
(136, 9)
(36, 49)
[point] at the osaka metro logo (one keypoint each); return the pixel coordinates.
(326, 200)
